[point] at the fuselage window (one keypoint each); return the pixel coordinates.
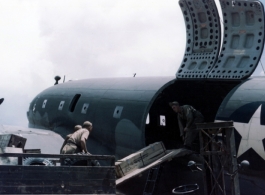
(162, 120)
(117, 112)
(61, 105)
(84, 108)
(147, 119)
(34, 108)
(74, 102)
(44, 103)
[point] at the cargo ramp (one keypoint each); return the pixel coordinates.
(145, 159)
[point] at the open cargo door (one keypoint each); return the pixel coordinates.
(242, 39)
(203, 38)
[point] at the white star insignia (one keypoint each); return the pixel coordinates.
(252, 135)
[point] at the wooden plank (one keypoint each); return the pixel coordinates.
(152, 152)
(214, 125)
(213, 153)
(64, 189)
(57, 180)
(39, 177)
(73, 175)
(96, 184)
(140, 159)
(32, 151)
(170, 154)
(89, 157)
(128, 164)
(40, 172)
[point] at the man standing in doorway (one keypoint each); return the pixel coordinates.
(187, 119)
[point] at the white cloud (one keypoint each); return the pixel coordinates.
(81, 39)
(40, 39)
(109, 36)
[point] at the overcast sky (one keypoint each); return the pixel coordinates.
(40, 39)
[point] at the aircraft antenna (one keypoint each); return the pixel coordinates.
(1, 100)
(57, 78)
(262, 67)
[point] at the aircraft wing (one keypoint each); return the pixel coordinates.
(48, 141)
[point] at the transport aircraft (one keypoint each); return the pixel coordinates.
(223, 49)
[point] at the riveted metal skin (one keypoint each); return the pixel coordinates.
(203, 38)
(243, 40)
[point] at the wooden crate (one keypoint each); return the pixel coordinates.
(9, 160)
(139, 159)
(153, 152)
(128, 164)
(11, 140)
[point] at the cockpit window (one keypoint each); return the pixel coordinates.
(34, 108)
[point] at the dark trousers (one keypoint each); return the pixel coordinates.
(193, 133)
(190, 136)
